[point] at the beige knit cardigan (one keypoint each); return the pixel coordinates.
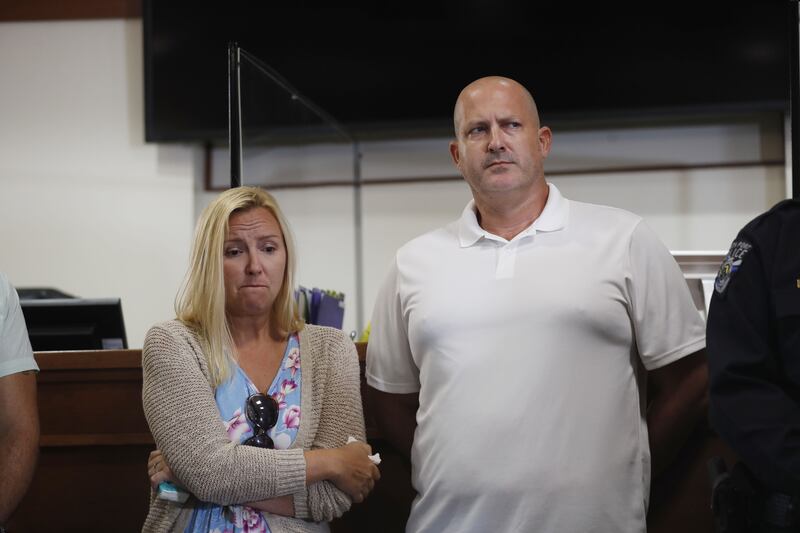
(179, 405)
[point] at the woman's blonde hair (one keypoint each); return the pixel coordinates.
(200, 303)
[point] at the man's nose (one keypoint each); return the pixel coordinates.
(496, 140)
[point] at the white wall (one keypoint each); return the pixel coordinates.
(85, 205)
(88, 207)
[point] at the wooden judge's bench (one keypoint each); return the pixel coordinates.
(95, 442)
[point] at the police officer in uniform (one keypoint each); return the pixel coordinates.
(753, 344)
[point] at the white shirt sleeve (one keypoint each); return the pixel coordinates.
(390, 363)
(16, 354)
(666, 323)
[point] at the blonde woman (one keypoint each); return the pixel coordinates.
(250, 408)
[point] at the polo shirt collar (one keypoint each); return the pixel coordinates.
(552, 218)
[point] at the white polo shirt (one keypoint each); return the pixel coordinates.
(15, 346)
(528, 356)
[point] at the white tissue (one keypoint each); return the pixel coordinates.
(375, 458)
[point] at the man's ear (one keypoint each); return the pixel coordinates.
(545, 140)
(454, 155)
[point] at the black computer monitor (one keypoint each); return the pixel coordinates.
(75, 324)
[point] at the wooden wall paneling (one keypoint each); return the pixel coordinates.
(94, 444)
(20, 10)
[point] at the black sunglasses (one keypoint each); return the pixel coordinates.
(262, 413)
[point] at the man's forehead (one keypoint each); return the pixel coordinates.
(489, 97)
(492, 104)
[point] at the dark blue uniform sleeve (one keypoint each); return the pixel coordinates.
(753, 407)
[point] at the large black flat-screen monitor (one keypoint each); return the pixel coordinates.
(75, 324)
(395, 69)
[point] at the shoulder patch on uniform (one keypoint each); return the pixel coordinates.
(732, 263)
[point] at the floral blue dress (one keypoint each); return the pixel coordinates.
(231, 398)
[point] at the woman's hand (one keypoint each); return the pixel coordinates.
(158, 469)
(353, 472)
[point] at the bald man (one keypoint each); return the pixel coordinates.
(510, 349)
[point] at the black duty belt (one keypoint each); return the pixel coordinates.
(780, 510)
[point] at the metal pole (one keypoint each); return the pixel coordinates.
(359, 237)
(234, 114)
(794, 93)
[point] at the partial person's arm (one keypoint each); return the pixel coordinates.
(19, 438)
(678, 400)
(753, 407)
(392, 375)
(670, 339)
(349, 460)
(159, 471)
(396, 417)
(344, 479)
